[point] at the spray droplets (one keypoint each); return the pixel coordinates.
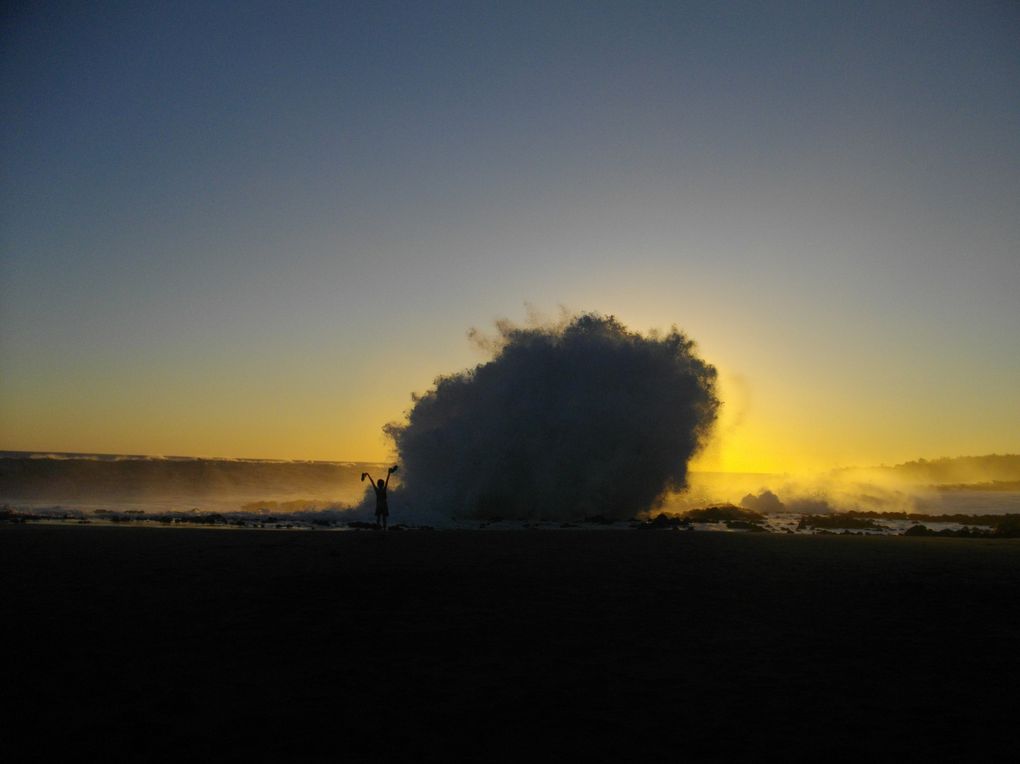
(577, 419)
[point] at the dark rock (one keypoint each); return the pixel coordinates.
(839, 521)
(723, 513)
(1008, 527)
(743, 525)
(598, 520)
(662, 520)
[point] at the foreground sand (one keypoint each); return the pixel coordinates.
(146, 643)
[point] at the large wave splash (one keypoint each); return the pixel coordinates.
(566, 421)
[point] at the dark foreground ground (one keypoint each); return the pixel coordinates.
(144, 644)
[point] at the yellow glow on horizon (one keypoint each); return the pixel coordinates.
(780, 414)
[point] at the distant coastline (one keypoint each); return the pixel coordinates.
(98, 457)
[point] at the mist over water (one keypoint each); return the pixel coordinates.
(158, 484)
(333, 490)
(962, 485)
(568, 420)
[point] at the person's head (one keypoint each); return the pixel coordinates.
(382, 483)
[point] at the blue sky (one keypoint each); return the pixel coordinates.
(253, 229)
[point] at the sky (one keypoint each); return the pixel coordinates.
(254, 229)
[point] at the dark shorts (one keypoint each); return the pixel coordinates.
(382, 511)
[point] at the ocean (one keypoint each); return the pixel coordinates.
(90, 484)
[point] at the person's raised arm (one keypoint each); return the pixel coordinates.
(389, 472)
(370, 480)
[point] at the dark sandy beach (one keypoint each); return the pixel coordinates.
(159, 643)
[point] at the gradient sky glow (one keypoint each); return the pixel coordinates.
(253, 229)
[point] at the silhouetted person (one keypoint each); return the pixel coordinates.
(382, 509)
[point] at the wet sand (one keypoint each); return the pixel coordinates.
(152, 643)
